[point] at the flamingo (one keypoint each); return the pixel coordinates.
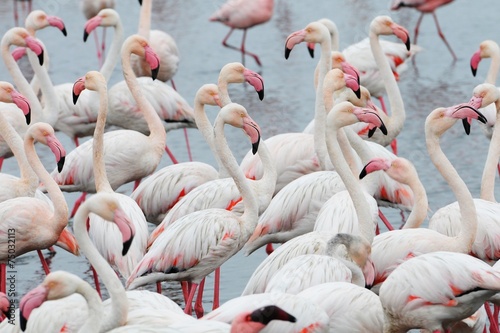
(351, 308)
(91, 8)
(26, 8)
(425, 7)
(444, 220)
(391, 248)
(218, 234)
(5, 312)
(107, 236)
(312, 318)
(433, 290)
(240, 14)
(308, 270)
(141, 153)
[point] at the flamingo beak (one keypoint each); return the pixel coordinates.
(374, 165)
(256, 81)
(310, 48)
(126, 228)
(268, 313)
(29, 302)
(474, 62)
(292, 40)
(78, 87)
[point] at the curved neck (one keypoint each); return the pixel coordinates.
(251, 212)
(113, 53)
(94, 305)
(19, 80)
(157, 131)
(49, 111)
(205, 127)
(223, 84)
(491, 76)
(420, 206)
(396, 121)
(468, 221)
(100, 176)
(145, 19)
(60, 216)
(490, 166)
(351, 183)
(119, 308)
(15, 143)
(325, 64)
(267, 184)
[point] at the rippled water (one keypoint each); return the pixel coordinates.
(432, 80)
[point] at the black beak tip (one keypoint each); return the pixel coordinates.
(261, 94)
(23, 322)
(383, 129)
(60, 164)
(371, 131)
(358, 93)
(40, 58)
(466, 124)
(255, 147)
(75, 98)
(85, 35)
(140, 2)
(28, 117)
(287, 52)
(126, 246)
(363, 173)
(154, 73)
(311, 52)
(65, 33)
(408, 44)
(474, 70)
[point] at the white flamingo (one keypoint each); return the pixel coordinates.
(200, 242)
(486, 245)
(434, 290)
(351, 308)
(391, 248)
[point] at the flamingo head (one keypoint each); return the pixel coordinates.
(44, 133)
(441, 119)
(139, 46)
(261, 317)
(345, 114)
(314, 32)
(38, 19)
(10, 95)
(4, 306)
(78, 87)
(107, 17)
(399, 169)
(236, 115)
(352, 83)
(383, 25)
(256, 81)
(474, 61)
(93, 80)
(126, 228)
(208, 94)
(20, 37)
(235, 72)
(373, 165)
(487, 49)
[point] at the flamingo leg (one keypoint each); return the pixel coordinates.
(173, 84)
(216, 289)
(198, 305)
(185, 290)
(158, 287)
(16, 14)
(186, 137)
(417, 27)
(78, 202)
(75, 140)
(171, 155)
(244, 52)
(443, 37)
(44, 262)
(498, 167)
(377, 230)
(51, 250)
(96, 281)
(137, 182)
(269, 248)
(188, 309)
(2, 159)
(3, 278)
(496, 312)
(385, 220)
(98, 47)
(103, 43)
(382, 103)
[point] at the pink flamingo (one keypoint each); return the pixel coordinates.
(351, 308)
(434, 290)
(240, 14)
(5, 312)
(135, 146)
(391, 248)
(425, 7)
(216, 234)
(91, 8)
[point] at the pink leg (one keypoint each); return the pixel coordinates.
(186, 137)
(243, 51)
(377, 230)
(171, 155)
(51, 249)
(2, 159)
(417, 27)
(198, 305)
(216, 289)
(75, 140)
(98, 48)
(382, 104)
(158, 287)
(16, 14)
(185, 290)
(443, 37)
(78, 202)
(188, 309)
(496, 312)
(490, 316)
(269, 248)
(498, 167)
(136, 183)
(384, 219)
(103, 43)
(96, 281)
(173, 84)
(3, 278)
(44, 262)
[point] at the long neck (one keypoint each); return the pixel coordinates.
(267, 184)
(490, 166)
(222, 84)
(325, 62)
(49, 112)
(94, 305)
(468, 220)
(351, 183)
(15, 143)
(251, 207)
(19, 80)
(491, 76)
(100, 176)
(145, 19)
(157, 131)
(398, 115)
(420, 206)
(60, 217)
(119, 308)
(113, 53)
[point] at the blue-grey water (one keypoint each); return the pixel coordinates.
(432, 80)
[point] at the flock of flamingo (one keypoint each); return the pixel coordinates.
(316, 192)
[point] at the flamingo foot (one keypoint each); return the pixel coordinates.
(216, 289)
(189, 302)
(269, 248)
(78, 202)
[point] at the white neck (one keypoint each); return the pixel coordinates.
(490, 166)
(395, 122)
(491, 76)
(251, 211)
(114, 51)
(463, 242)
(119, 308)
(60, 216)
(351, 183)
(420, 206)
(95, 308)
(145, 19)
(267, 184)
(157, 134)
(100, 176)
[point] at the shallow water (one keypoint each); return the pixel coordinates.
(432, 80)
